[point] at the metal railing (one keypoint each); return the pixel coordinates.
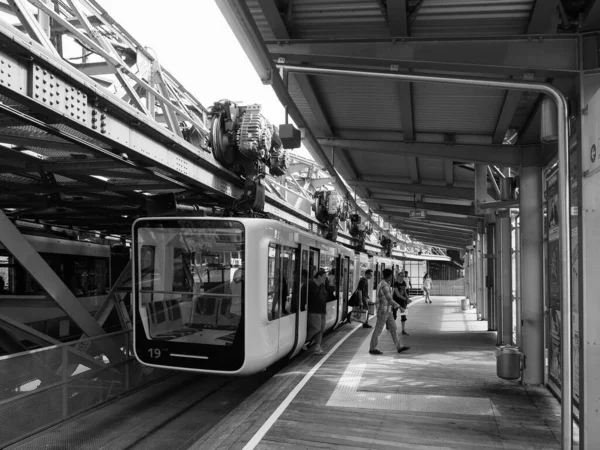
(448, 287)
(44, 387)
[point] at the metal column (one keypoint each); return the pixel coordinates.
(532, 259)
(480, 280)
(490, 276)
(498, 280)
(505, 282)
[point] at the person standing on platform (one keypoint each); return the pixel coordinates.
(362, 290)
(407, 281)
(427, 287)
(385, 317)
(401, 297)
(317, 309)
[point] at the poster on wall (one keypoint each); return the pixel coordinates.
(574, 173)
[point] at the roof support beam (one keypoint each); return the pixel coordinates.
(449, 172)
(511, 102)
(441, 239)
(454, 223)
(435, 219)
(449, 229)
(591, 18)
(438, 191)
(544, 17)
(396, 18)
(482, 154)
(423, 235)
(439, 207)
(450, 245)
(449, 237)
(274, 19)
(413, 169)
(508, 55)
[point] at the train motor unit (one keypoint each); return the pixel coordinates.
(228, 295)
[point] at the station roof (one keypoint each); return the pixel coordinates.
(401, 145)
(406, 145)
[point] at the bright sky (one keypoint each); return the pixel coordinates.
(194, 43)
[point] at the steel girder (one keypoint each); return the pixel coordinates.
(502, 155)
(547, 55)
(438, 191)
(461, 210)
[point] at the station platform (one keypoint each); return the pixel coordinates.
(443, 393)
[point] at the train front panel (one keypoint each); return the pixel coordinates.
(190, 293)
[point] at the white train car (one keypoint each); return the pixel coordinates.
(229, 295)
(83, 266)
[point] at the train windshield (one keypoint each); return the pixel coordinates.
(189, 284)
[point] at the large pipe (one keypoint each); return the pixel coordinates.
(563, 198)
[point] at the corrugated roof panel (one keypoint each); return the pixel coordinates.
(303, 106)
(316, 19)
(360, 103)
(471, 17)
(456, 109)
(260, 20)
(377, 164)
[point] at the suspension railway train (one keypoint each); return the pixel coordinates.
(225, 295)
(84, 267)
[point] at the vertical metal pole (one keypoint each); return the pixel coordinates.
(480, 285)
(490, 252)
(498, 281)
(517, 280)
(565, 273)
(506, 278)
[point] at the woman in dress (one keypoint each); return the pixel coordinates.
(427, 287)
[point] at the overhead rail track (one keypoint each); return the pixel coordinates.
(108, 127)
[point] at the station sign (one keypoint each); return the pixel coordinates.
(417, 214)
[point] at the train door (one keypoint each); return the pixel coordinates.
(343, 288)
(289, 277)
(300, 301)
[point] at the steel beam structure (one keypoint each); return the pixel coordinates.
(427, 189)
(505, 155)
(435, 219)
(467, 211)
(532, 274)
(548, 55)
(543, 17)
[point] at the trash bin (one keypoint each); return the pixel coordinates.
(508, 362)
(464, 304)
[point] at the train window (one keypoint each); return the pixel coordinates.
(282, 281)
(351, 275)
(189, 281)
(288, 279)
(274, 285)
(182, 276)
(330, 264)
